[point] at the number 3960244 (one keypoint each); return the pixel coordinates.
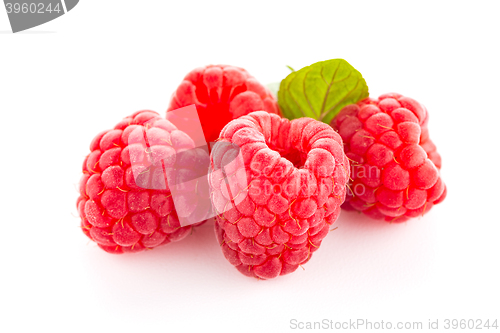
(33, 8)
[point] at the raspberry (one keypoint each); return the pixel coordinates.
(222, 93)
(395, 165)
(125, 204)
(277, 186)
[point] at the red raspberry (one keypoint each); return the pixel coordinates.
(277, 188)
(125, 204)
(395, 166)
(222, 93)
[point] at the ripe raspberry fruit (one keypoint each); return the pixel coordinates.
(277, 186)
(125, 203)
(395, 165)
(222, 93)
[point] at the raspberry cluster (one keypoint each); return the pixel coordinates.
(395, 165)
(277, 188)
(222, 93)
(274, 185)
(125, 203)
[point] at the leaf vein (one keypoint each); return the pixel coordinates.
(328, 91)
(305, 94)
(343, 99)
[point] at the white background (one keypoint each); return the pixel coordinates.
(63, 82)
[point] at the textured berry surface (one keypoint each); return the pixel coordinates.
(222, 93)
(395, 165)
(277, 202)
(125, 204)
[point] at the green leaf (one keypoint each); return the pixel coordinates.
(321, 90)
